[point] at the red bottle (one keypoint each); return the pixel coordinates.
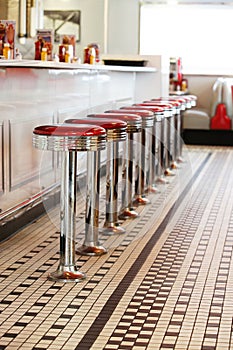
(220, 121)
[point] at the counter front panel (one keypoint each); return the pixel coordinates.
(33, 95)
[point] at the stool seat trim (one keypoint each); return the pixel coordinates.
(147, 120)
(168, 109)
(133, 121)
(193, 99)
(181, 100)
(158, 112)
(147, 117)
(188, 102)
(176, 104)
(59, 137)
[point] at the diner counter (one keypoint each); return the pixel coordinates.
(35, 93)
(61, 65)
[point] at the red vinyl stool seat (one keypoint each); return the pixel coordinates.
(68, 139)
(220, 121)
(115, 131)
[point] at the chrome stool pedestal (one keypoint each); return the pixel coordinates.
(134, 126)
(159, 146)
(173, 133)
(115, 135)
(68, 139)
(91, 245)
(182, 108)
(154, 172)
(142, 154)
(165, 135)
(186, 102)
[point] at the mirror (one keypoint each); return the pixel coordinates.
(63, 23)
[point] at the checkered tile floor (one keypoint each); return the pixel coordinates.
(167, 283)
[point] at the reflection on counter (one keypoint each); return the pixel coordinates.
(34, 93)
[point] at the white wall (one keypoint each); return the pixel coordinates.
(123, 27)
(119, 35)
(122, 36)
(92, 19)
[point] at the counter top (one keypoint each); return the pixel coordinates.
(61, 65)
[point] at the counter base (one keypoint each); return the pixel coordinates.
(26, 216)
(208, 137)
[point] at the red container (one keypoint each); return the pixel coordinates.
(220, 121)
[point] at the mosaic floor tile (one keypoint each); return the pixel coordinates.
(165, 284)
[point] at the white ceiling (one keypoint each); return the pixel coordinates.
(223, 2)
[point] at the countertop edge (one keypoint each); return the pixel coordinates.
(61, 65)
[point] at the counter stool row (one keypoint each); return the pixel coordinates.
(151, 132)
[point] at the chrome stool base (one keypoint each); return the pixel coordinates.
(169, 172)
(112, 228)
(180, 160)
(152, 189)
(161, 180)
(128, 213)
(174, 165)
(91, 250)
(67, 274)
(141, 200)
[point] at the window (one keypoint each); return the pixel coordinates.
(200, 34)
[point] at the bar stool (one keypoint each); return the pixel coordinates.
(174, 133)
(193, 100)
(115, 130)
(69, 139)
(188, 101)
(160, 135)
(170, 121)
(112, 224)
(165, 134)
(147, 170)
(178, 127)
(134, 126)
(193, 103)
(141, 153)
(183, 106)
(155, 172)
